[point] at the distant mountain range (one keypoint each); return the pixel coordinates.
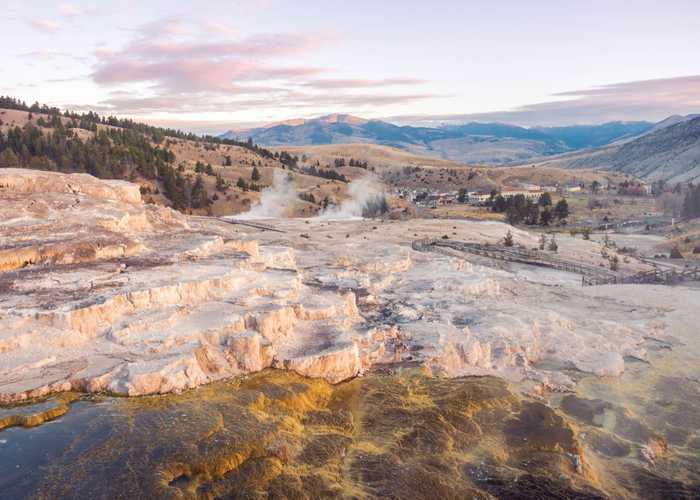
(669, 151)
(479, 143)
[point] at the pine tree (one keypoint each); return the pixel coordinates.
(508, 240)
(545, 217)
(462, 196)
(221, 184)
(561, 210)
(199, 194)
(255, 176)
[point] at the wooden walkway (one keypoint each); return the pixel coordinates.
(240, 222)
(590, 275)
(655, 276)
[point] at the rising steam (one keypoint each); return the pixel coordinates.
(365, 200)
(276, 200)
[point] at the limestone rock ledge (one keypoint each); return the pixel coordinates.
(99, 292)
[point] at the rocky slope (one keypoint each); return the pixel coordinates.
(99, 292)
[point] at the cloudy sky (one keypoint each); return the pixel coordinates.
(217, 64)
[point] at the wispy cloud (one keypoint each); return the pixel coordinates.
(71, 11)
(260, 98)
(45, 25)
(218, 28)
(628, 101)
(194, 75)
(359, 83)
(162, 53)
(180, 69)
(48, 55)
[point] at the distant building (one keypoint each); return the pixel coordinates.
(529, 194)
(441, 199)
(478, 197)
(569, 189)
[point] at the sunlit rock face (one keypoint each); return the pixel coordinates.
(99, 292)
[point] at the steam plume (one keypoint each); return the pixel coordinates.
(365, 200)
(276, 200)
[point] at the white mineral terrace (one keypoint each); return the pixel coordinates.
(100, 292)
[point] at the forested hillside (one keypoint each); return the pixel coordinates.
(106, 147)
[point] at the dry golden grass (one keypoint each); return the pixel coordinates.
(461, 212)
(551, 175)
(188, 153)
(686, 237)
(376, 155)
(407, 170)
(615, 208)
(235, 200)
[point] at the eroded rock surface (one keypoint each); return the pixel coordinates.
(99, 292)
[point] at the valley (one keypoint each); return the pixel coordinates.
(480, 143)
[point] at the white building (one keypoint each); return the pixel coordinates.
(478, 197)
(528, 194)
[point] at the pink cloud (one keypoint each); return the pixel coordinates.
(259, 46)
(651, 100)
(189, 71)
(45, 25)
(158, 55)
(70, 10)
(345, 101)
(194, 75)
(125, 103)
(218, 27)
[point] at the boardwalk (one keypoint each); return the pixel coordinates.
(590, 275)
(241, 222)
(655, 276)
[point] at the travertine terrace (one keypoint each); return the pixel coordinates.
(99, 292)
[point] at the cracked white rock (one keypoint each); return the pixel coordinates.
(101, 292)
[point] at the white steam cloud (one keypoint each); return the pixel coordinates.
(276, 201)
(366, 199)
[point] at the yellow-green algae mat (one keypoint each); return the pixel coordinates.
(36, 413)
(278, 435)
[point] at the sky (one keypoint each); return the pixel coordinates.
(215, 65)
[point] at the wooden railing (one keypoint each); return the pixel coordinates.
(590, 275)
(256, 224)
(655, 276)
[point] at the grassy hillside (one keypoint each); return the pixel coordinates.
(190, 173)
(670, 153)
(406, 170)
